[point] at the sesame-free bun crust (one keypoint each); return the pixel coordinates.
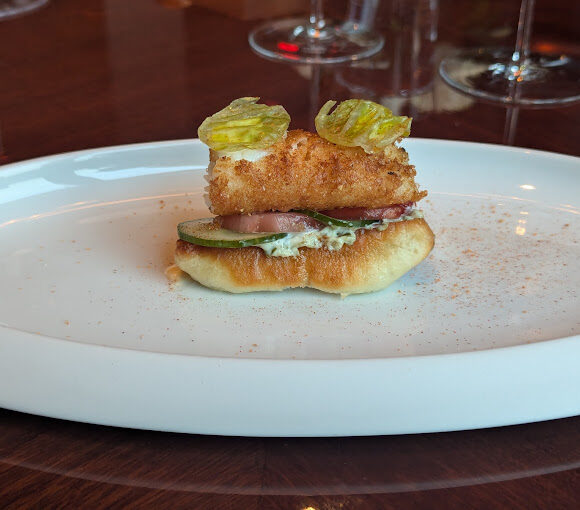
(305, 171)
(373, 262)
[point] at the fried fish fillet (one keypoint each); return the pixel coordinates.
(305, 171)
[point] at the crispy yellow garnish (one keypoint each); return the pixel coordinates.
(244, 124)
(357, 122)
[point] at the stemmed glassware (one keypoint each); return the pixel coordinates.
(517, 76)
(315, 40)
(11, 8)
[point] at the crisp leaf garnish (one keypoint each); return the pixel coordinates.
(357, 122)
(244, 124)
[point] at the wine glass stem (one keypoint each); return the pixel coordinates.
(522, 48)
(317, 21)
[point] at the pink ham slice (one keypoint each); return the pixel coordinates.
(297, 222)
(269, 222)
(360, 213)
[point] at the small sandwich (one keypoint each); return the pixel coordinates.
(334, 211)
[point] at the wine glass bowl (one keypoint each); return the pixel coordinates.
(516, 76)
(490, 74)
(314, 40)
(13, 8)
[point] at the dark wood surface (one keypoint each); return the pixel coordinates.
(81, 74)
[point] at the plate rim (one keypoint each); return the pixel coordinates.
(449, 355)
(430, 402)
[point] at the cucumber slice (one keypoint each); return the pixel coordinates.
(205, 233)
(335, 222)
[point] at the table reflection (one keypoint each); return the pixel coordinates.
(271, 466)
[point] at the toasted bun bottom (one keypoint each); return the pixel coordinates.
(374, 261)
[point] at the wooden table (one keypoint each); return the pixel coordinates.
(77, 75)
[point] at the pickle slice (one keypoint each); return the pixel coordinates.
(357, 122)
(244, 124)
(205, 232)
(335, 222)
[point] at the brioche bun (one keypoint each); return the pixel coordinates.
(374, 261)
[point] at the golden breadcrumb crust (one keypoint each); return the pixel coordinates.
(373, 262)
(305, 171)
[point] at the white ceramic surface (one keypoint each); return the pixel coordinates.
(482, 333)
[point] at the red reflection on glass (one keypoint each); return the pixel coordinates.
(286, 46)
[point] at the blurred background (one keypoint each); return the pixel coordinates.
(102, 72)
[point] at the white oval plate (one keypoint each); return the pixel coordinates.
(482, 333)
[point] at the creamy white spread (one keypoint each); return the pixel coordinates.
(331, 237)
(251, 155)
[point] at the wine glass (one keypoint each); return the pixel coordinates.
(11, 8)
(518, 76)
(318, 40)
